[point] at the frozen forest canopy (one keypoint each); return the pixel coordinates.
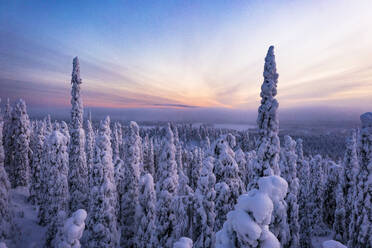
(84, 183)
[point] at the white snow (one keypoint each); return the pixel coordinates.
(332, 244)
(183, 243)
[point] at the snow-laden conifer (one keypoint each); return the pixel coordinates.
(102, 228)
(303, 196)
(166, 189)
(222, 206)
(333, 171)
(204, 215)
(339, 228)
(288, 165)
(65, 132)
(55, 194)
(242, 164)
(268, 144)
(351, 167)
(129, 195)
(115, 141)
(21, 144)
(72, 230)
(78, 172)
(36, 162)
(146, 213)
(247, 224)
(6, 215)
(148, 156)
(361, 223)
(90, 144)
(316, 198)
(48, 126)
(183, 206)
(227, 170)
(8, 140)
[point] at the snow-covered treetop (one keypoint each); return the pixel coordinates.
(270, 74)
(76, 71)
(183, 243)
(366, 119)
(76, 101)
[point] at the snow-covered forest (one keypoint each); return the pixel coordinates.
(84, 183)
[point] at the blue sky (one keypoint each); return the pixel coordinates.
(187, 54)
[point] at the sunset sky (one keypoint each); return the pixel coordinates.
(187, 54)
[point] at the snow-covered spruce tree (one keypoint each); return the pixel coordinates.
(222, 206)
(332, 180)
(351, 167)
(78, 172)
(339, 228)
(316, 198)
(90, 145)
(72, 230)
(6, 219)
(242, 164)
(65, 132)
(146, 213)
(129, 196)
(8, 140)
(227, 170)
(288, 165)
(247, 225)
(204, 216)
(183, 206)
(361, 223)
(166, 189)
(48, 126)
(55, 195)
(21, 145)
(36, 162)
(268, 144)
(115, 141)
(303, 196)
(102, 228)
(196, 166)
(148, 156)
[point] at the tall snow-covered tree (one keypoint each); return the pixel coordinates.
(148, 151)
(242, 164)
(351, 167)
(183, 206)
(268, 144)
(48, 126)
(222, 206)
(78, 172)
(90, 144)
(204, 216)
(55, 195)
(64, 130)
(288, 165)
(339, 228)
(129, 191)
(102, 230)
(116, 138)
(166, 189)
(35, 166)
(227, 170)
(6, 219)
(21, 145)
(331, 182)
(8, 140)
(146, 213)
(303, 197)
(361, 223)
(316, 199)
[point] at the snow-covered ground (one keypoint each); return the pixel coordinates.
(30, 233)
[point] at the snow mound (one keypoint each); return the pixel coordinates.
(332, 244)
(274, 186)
(183, 243)
(72, 230)
(3, 245)
(258, 203)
